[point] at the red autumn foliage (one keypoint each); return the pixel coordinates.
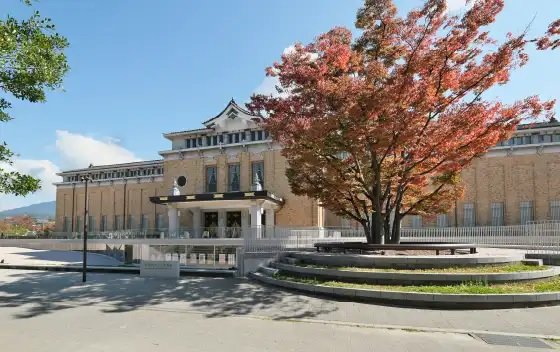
(551, 39)
(380, 127)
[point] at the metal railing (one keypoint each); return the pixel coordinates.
(537, 236)
(276, 239)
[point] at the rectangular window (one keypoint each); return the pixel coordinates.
(497, 213)
(253, 136)
(188, 143)
(441, 220)
(468, 215)
(103, 223)
(242, 136)
(555, 210)
(526, 212)
(214, 140)
(547, 138)
(91, 224)
(416, 221)
(211, 179)
(230, 138)
(257, 175)
(118, 224)
(527, 140)
(199, 144)
(260, 135)
(236, 137)
(144, 222)
(265, 134)
(233, 177)
(556, 137)
(130, 222)
(208, 140)
(221, 138)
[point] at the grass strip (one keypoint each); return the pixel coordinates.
(549, 285)
(481, 269)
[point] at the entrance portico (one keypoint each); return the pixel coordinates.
(220, 214)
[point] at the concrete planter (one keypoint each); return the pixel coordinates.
(401, 262)
(434, 300)
(399, 278)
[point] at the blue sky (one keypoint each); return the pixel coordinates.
(140, 68)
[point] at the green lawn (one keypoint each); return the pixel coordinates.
(482, 269)
(550, 285)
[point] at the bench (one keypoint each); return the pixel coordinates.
(360, 246)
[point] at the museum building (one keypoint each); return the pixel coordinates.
(230, 175)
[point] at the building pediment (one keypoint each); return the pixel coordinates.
(232, 118)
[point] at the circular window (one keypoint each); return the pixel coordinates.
(181, 181)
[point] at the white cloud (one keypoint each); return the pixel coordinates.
(45, 170)
(454, 6)
(268, 86)
(75, 151)
(78, 151)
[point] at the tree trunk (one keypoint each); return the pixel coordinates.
(396, 230)
(368, 231)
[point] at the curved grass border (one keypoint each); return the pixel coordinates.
(470, 288)
(410, 277)
(418, 299)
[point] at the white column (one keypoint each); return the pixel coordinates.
(256, 212)
(196, 219)
(245, 222)
(173, 222)
(269, 216)
(221, 223)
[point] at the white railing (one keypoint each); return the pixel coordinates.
(276, 239)
(515, 235)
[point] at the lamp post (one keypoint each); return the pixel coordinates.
(85, 179)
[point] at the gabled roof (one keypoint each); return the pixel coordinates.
(231, 104)
(231, 110)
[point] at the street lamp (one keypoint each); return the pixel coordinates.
(85, 179)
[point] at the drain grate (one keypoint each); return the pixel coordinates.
(517, 341)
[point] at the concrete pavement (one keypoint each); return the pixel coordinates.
(117, 312)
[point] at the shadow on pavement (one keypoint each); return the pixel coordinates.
(46, 292)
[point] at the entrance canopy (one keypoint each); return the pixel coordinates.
(221, 200)
(222, 210)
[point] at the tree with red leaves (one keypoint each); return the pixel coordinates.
(381, 127)
(551, 39)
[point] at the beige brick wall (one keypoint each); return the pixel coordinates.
(110, 201)
(491, 179)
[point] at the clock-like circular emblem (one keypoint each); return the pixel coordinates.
(181, 181)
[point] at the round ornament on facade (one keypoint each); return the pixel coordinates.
(181, 181)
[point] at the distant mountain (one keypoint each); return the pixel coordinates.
(40, 210)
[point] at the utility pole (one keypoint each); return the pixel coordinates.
(86, 179)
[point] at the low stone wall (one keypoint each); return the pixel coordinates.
(401, 262)
(434, 300)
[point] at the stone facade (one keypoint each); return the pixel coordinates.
(515, 182)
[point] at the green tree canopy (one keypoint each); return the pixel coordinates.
(32, 61)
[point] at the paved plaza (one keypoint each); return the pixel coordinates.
(28, 256)
(121, 312)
